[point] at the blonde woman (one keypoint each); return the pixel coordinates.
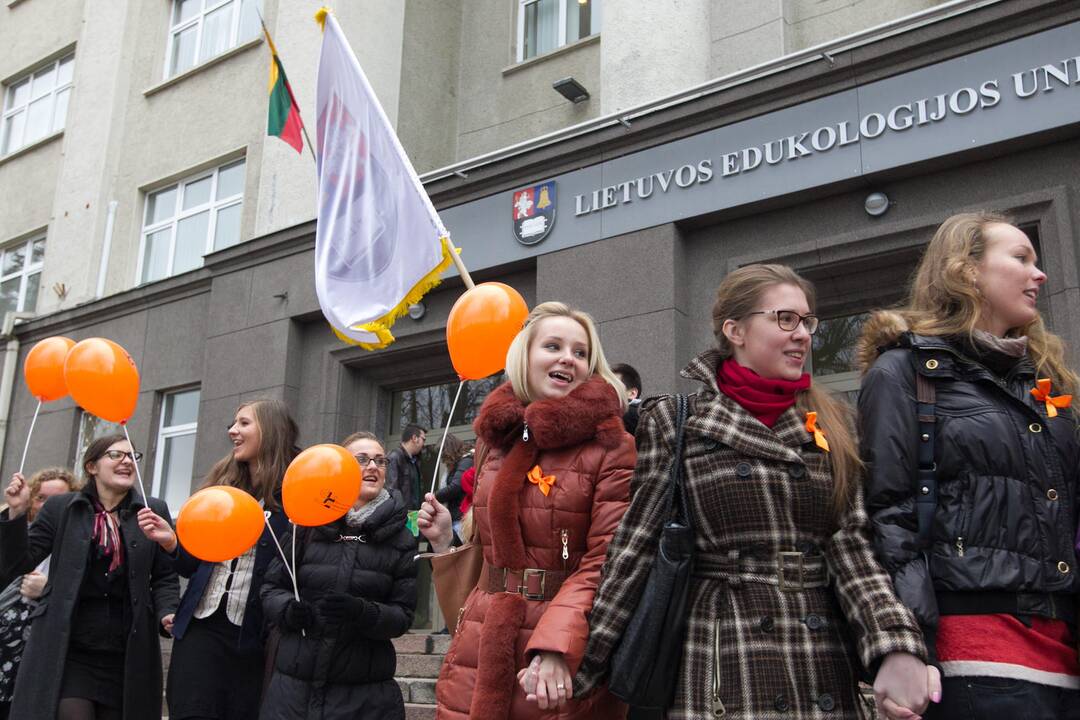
(989, 570)
(549, 493)
(784, 576)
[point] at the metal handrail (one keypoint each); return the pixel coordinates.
(822, 51)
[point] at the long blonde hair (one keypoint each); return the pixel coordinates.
(517, 357)
(737, 296)
(278, 434)
(944, 300)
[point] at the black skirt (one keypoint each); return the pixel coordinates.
(94, 675)
(209, 677)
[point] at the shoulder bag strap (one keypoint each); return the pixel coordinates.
(680, 506)
(926, 489)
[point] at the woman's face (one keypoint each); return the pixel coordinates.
(558, 357)
(365, 451)
(245, 435)
(1008, 280)
(48, 489)
(115, 474)
(758, 342)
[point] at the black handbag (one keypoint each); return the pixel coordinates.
(645, 665)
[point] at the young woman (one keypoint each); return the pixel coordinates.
(217, 659)
(552, 487)
(458, 458)
(357, 580)
(93, 652)
(784, 575)
(20, 597)
(991, 571)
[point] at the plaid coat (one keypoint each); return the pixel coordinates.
(783, 654)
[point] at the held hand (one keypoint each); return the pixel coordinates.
(33, 585)
(547, 681)
(435, 523)
(167, 622)
(17, 495)
(904, 686)
(156, 528)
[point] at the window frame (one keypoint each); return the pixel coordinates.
(561, 40)
(198, 20)
(28, 269)
(214, 206)
(169, 432)
(7, 113)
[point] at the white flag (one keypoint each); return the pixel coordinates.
(379, 244)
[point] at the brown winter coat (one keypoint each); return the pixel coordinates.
(784, 652)
(580, 440)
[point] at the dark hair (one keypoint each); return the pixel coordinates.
(630, 377)
(361, 435)
(278, 434)
(410, 431)
(96, 450)
(453, 451)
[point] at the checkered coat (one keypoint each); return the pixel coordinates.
(759, 491)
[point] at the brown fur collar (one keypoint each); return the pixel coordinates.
(881, 330)
(496, 661)
(591, 412)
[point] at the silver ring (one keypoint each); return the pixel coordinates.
(561, 686)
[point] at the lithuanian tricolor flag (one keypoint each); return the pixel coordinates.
(283, 120)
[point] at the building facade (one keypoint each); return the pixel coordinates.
(832, 136)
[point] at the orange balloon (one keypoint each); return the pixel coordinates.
(219, 523)
(481, 326)
(44, 368)
(102, 379)
(321, 485)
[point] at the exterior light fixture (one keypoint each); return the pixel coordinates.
(417, 310)
(571, 89)
(876, 204)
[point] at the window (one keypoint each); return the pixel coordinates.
(20, 280)
(174, 463)
(202, 29)
(544, 25)
(185, 221)
(429, 407)
(36, 105)
(91, 427)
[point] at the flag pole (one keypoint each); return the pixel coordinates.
(459, 264)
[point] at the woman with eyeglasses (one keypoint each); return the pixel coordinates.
(94, 651)
(787, 604)
(357, 586)
(218, 655)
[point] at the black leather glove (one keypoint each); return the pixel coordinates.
(298, 615)
(340, 609)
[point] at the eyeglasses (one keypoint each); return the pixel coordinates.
(120, 454)
(788, 320)
(379, 460)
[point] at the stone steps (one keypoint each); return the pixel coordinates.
(419, 659)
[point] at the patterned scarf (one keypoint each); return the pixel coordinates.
(764, 398)
(356, 517)
(107, 535)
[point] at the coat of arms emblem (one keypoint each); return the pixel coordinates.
(534, 212)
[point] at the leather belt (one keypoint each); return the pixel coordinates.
(1056, 606)
(789, 570)
(530, 583)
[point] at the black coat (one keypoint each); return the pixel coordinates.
(1006, 516)
(63, 529)
(452, 493)
(403, 475)
(336, 671)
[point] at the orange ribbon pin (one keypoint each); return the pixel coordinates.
(1041, 392)
(537, 477)
(819, 436)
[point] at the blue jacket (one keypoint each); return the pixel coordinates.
(198, 572)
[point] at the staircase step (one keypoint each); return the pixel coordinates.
(418, 666)
(415, 643)
(417, 690)
(419, 712)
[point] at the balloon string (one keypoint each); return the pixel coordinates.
(26, 447)
(285, 560)
(138, 473)
(446, 431)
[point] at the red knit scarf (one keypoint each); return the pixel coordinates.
(764, 398)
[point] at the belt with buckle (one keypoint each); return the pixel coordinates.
(530, 583)
(789, 570)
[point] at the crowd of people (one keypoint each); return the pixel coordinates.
(924, 543)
